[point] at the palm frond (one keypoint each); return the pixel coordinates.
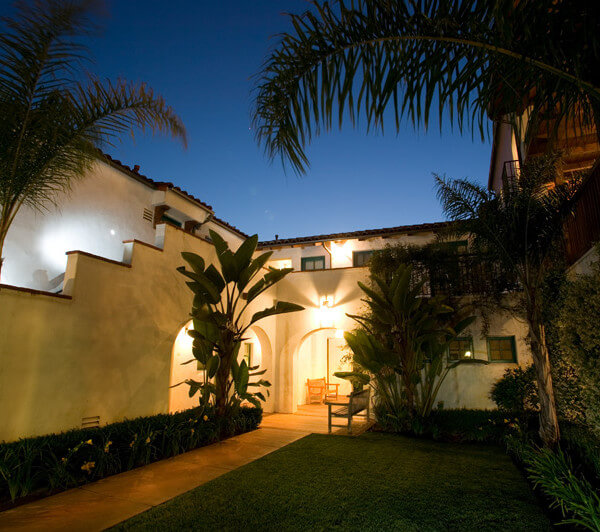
(360, 58)
(53, 118)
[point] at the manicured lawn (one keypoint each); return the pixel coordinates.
(375, 481)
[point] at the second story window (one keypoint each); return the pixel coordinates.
(313, 263)
(361, 258)
(461, 348)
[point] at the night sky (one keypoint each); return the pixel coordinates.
(200, 55)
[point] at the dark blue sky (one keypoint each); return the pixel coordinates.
(200, 55)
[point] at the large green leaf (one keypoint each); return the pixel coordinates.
(281, 307)
(241, 384)
(218, 242)
(255, 290)
(194, 260)
(243, 256)
(247, 274)
(212, 366)
(216, 278)
(201, 278)
(225, 257)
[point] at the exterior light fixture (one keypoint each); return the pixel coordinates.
(468, 354)
(326, 316)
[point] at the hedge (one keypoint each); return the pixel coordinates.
(46, 464)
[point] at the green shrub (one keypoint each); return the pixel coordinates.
(516, 391)
(583, 447)
(579, 338)
(60, 461)
(456, 425)
(553, 473)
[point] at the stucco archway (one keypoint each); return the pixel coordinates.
(261, 340)
(318, 355)
(179, 398)
(256, 348)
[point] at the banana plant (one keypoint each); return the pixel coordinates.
(220, 320)
(406, 334)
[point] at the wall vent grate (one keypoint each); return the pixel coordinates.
(90, 422)
(148, 215)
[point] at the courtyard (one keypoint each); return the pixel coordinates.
(372, 482)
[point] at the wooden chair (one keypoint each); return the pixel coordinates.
(320, 389)
(358, 401)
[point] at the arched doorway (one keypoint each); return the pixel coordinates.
(255, 350)
(181, 370)
(321, 353)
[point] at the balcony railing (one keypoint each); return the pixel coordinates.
(510, 170)
(583, 229)
(463, 274)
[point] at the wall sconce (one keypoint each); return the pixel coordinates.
(326, 315)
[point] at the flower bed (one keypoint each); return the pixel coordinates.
(45, 464)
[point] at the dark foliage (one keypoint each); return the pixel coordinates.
(60, 461)
(456, 425)
(516, 391)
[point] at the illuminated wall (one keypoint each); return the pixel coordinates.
(102, 210)
(113, 344)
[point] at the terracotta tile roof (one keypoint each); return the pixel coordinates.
(229, 226)
(159, 185)
(367, 233)
(165, 185)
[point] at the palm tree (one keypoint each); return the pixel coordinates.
(54, 117)
(519, 229)
(470, 57)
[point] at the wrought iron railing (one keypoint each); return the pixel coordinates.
(463, 274)
(583, 229)
(510, 170)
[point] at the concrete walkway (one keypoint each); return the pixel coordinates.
(109, 501)
(101, 504)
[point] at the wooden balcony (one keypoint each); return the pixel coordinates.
(583, 229)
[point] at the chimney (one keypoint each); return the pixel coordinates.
(276, 237)
(136, 168)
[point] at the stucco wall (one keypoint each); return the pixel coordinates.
(105, 348)
(339, 254)
(103, 208)
(466, 386)
(106, 352)
(506, 150)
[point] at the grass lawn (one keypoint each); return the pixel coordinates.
(375, 481)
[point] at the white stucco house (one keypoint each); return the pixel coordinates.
(93, 313)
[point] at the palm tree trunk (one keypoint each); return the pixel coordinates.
(549, 430)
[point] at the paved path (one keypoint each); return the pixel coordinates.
(109, 501)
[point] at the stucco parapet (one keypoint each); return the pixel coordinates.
(33, 292)
(136, 241)
(98, 257)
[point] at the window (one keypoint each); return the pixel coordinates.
(280, 264)
(459, 246)
(502, 349)
(460, 348)
(313, 263)
(170, 220)
(248, 348)
(362, 258)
